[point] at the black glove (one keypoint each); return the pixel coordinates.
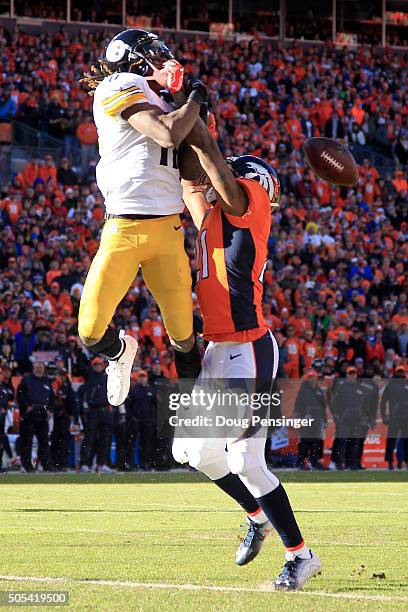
(198, 92)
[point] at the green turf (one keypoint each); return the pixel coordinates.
(134, 528)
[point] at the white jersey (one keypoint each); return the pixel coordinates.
(135, 174)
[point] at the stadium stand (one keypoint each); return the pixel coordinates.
(336, 280)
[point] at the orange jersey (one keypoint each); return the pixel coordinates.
(155, 331)
(294, 348)
(310, 352)
(231, 256)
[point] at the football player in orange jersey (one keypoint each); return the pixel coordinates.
(232, 250)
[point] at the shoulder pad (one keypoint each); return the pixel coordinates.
(123, 89)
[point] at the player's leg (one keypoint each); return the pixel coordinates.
(216, 365)
(246, 458)
(168, 276)
(208, 454)
(112, 271)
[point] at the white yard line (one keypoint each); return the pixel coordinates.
(196, 587)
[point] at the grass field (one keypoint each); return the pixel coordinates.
(167, 542)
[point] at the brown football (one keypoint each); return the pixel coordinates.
(331, 161)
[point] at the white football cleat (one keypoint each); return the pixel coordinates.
(119, 371)
(296, 572)
(85, 469)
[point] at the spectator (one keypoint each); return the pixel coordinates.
(153, 329)
(356, 134)
(140, 421)
(310, 404)
(65, 413)
(352, 411)
(35, 399)
(394, 413)
(8, 109)
(24, 345)
(334, 128)
(65, 174)
(294, 349)
(88, 137)
(97, 418)
(6, 396)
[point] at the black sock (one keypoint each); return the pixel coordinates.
(277, 508)
(233, 486)
(109, 345)
(188, 366)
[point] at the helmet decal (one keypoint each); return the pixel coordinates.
(260, 174)
(256, 169)
(116, 50)
(137, 51)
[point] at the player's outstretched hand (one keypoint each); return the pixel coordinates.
(198, 92)
(174, 75)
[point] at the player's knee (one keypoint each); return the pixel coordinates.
(90, 330)
(179, 451)
(87, 341)
(204, 459)
(184, 346)
(241, 462)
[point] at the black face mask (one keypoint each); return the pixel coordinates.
(155, 52)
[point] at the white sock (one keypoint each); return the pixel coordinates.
(259, 517)
(302, 553)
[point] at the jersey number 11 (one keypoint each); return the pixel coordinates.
(164, 157)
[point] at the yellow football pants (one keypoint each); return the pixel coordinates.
(158, 246)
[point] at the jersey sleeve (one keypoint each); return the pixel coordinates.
(258, 213)
(123, 90)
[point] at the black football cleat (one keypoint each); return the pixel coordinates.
(296, 572)
(252, 544)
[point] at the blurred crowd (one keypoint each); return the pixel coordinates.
(336, 279)
(309, 21)
(265, 96)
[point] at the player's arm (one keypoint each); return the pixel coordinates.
(231, 196)
(194, 179)
(167, 129)
(195, 202)
(194, 182)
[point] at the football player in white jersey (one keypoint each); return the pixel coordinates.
(138, 134)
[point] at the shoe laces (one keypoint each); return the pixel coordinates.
(253, 532)
(288, 571)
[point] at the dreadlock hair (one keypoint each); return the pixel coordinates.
(96, 76)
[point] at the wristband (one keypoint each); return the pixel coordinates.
(204, 112)
(198, 95)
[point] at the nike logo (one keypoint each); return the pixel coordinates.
(176, 227)
(235, 356)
